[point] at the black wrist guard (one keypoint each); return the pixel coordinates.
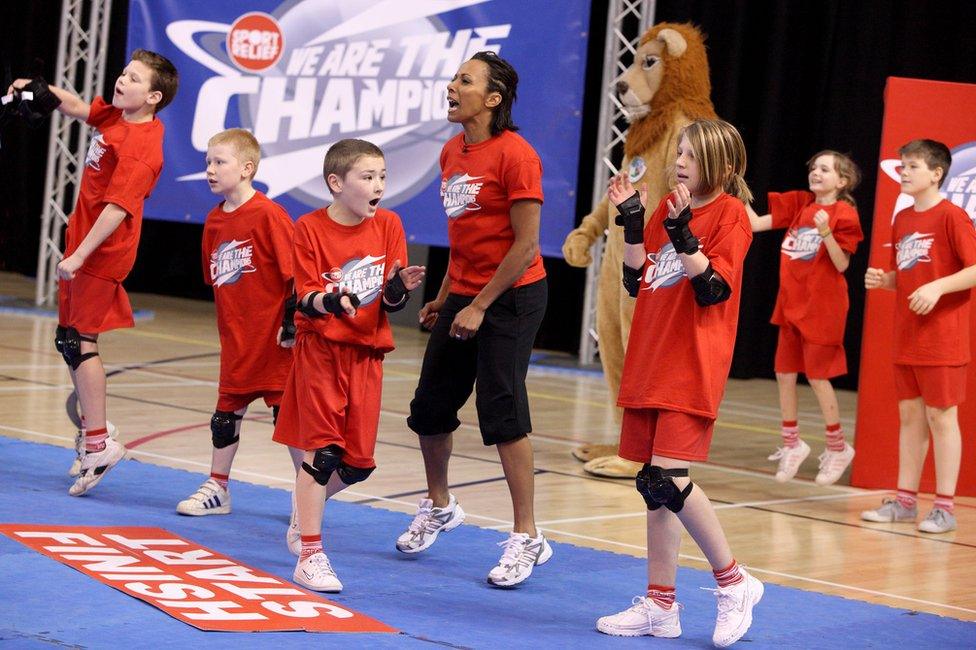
(288, 319)
(631, 217)
(37, 101)
(680, 234)
(330, 302)
(395, 294)
(710, 288)
(632, 278)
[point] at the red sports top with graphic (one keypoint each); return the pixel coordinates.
(679, 353)
(331, 257)
(479, 183)
(247, 259)
(812, 292)
(122, 166)
(926, 246)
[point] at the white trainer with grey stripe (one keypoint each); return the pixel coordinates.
(209, 499)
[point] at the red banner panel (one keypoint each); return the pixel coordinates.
(914, 109)
(189, 582)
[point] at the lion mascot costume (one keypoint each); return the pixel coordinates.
(665, 89)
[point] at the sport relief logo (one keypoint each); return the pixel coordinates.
(801, 243)
(312, 72)
(460, 194)
(230, 261)
(96, 149)
(959, 186)
(912, 249)
(664, 269)
(361, 276)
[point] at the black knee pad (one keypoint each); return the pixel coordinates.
(223, 428)
(349, 474)
(326, 461)
(67, 341)
(658, 488)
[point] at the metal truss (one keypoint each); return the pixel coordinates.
(82, 52)
(627, 20)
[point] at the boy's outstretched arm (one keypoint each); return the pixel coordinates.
(71, 105)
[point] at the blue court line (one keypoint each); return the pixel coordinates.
(438, 598)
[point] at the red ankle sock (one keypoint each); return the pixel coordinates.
(222, 479)
(790, 433)
(944, 502)
(663, 596)
(907, 498)
(728, 576)
(311, 544)
(835, 437)
(95, 439)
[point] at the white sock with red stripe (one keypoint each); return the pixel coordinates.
(311, 544)
(662, 595)
(728, 576)
(95, 439)
(790, 433)
(222, 479)
(944, 502)
(907, 498)
(835, 437)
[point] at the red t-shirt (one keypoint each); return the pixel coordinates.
(247, 259)
(679, 353)
(812, 292)
(926, 246)
(122, 166)
(330, 256)
(479, 183)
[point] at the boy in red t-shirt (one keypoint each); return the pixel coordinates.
(123, 164)
(247, 259)
(811, 307)
(933, 255)
(348, 261)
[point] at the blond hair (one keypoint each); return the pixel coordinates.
(846, 168)
(721, 157)
(245, 145)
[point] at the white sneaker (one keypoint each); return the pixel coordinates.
(790, 459)
(938, 521)
(833, 464)
(735, 605)
(75, 469)
(209, 499)
(293, 536)
(522, 554)
(316, 573)
(428, 523)
(644, 617)
(95, 465)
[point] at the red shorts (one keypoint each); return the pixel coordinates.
(92, 305)
(795, 355)
(332, 397)
(647, 432)
(235, 402)
(938, 386)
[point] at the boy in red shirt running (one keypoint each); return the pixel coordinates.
(933, 254)
(123, 164)
(348, 274)
(811, 307)
(247, 259)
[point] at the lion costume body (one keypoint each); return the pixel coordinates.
(665, 89)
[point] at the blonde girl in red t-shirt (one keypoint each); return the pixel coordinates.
(685, 269)
(823, 231)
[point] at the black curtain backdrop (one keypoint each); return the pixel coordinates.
(794, 76)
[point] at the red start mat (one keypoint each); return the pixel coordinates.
(190, 582)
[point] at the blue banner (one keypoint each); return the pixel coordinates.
(302, 74)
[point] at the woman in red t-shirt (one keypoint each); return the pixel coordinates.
(823, 231)
(487, 312)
